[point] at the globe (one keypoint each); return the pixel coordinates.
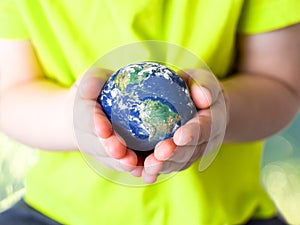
(146, 102)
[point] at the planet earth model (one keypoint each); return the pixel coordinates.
(146, 102)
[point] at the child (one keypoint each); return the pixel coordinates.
(252, 46)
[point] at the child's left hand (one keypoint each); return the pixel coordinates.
(197, 137)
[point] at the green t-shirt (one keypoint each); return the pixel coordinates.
(70, 35)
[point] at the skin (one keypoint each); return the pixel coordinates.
(263, 96)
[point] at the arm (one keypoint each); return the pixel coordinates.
(262, 98)
(265, 95)
(34, 110)
(39, 112)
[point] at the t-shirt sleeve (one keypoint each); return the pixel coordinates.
(11, 23)
(265, 15)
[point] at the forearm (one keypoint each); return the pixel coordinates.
(258, 107)
(38, 113)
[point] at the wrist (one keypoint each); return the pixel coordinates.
(227, 103)
(68, 111)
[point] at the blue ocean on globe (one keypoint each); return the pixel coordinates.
(146, 102)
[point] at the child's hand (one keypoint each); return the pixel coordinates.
(197, 137)
(94, 133)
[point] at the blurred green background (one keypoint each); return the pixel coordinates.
(280, 170)
(15, 160)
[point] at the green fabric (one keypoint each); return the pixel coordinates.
(228, 192)
(11, 24)
(69, 36)
(266, 15)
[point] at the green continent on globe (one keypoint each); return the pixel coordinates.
(158, 119)
(131, 75)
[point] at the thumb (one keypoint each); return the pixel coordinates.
(91, 83)
(205, 87)
(201, 96)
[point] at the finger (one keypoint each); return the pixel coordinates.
(182, 154)
(152, 166)
(149, 179)
(93, 149)
(164, 149)
(89, 118)
(114, 147)
(195, 131)
(137, 171)
(125, 164)
(103, 127)
(181, 159)
(201, 95)
(129, 161)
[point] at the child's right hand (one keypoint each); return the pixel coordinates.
(93, 130)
